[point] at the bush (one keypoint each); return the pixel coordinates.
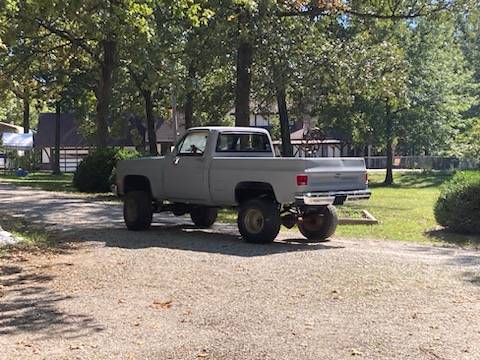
(94, 173)
(458, 206)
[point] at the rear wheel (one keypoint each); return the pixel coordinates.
(203, 216)
(319, 227)
(259, 221)
(137, 210)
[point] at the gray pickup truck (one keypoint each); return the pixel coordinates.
(234, 167)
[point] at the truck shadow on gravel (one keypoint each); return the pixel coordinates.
(221, 239)
(28, 305)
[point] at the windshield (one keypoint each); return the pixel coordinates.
(243, 142)
(193, 144)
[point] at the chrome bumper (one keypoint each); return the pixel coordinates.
(332, 197)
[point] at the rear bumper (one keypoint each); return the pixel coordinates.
(332, 197)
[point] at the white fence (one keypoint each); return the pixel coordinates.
(421, 162)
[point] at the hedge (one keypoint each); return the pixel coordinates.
(458, 206)
(94, 173)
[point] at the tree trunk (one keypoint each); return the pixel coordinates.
(242, 90)
(287, 149)
(56, 157)
(389, 151)
(26, 112)
(104, 91)
(152, 135)
(189, 97)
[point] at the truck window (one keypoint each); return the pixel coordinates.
(242, 142)
(193, 144)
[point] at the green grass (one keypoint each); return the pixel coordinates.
(404, 210)
(32, 236)
(41, 180)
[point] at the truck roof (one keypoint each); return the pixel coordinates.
(231, 129)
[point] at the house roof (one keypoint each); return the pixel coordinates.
(70, 135)
(165, 128)
(6, 127)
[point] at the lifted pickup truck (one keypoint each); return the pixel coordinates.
(234, 167)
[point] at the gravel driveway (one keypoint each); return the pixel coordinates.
(176, 292)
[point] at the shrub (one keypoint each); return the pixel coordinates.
(458, 206)
(94, 173)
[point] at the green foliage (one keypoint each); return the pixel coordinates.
(94, 173)
(28, 161)
(342, 64)
(458, 207)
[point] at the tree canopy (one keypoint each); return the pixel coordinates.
(400, 74)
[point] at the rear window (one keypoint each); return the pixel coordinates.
(242, 142)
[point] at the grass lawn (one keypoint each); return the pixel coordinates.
(404, 210)
(41, 180)
(32, 236)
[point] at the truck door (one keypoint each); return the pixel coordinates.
(185, 177)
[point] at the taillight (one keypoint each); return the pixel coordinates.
(302, 180)
(366, 178)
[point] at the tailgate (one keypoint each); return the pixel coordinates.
(335, 174)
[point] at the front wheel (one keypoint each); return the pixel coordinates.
(259, 221)
(319, 227)
(203, 216)
(137, 210)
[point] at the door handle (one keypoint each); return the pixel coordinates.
(176, 160)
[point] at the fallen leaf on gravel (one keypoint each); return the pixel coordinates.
(336, 295)
(161, 304)
(356, 352)
(203, 354)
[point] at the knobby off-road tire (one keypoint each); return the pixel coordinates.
(259, 221)
(319, 227)
(137, 210)
(203, 217)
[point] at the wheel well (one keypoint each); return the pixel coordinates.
(253, 189)
(136, 182)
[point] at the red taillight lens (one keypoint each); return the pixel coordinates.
(366, 178)
(302, 180)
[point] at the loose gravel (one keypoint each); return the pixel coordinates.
(176, 292)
